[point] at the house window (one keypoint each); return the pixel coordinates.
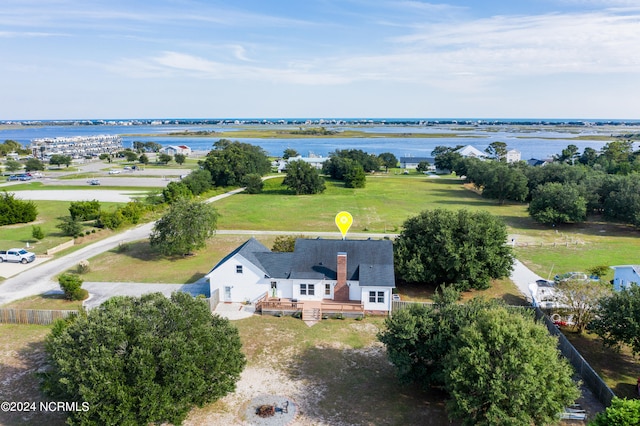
(238, 269)
(307, 289)
(327, 289)
(376, 297)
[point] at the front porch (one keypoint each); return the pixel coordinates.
(311, 310)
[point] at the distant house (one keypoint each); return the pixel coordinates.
(513, 156)
(412, 162)
(176, 149)
(473, 152)
(315, 161)
(624, 275)
(351, 275)
(535, 162)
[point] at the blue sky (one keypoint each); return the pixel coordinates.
(68, 59)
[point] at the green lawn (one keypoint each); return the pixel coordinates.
(385, 203)
(48, 213)
(137, 262)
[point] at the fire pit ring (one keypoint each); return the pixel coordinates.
(269, 410)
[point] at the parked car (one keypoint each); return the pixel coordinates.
(94, 182)
(114, 172)
(17, 255)
(14, 177)
(396, 297)
(24, 177)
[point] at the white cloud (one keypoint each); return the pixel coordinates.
(29, 34)
(483, 50)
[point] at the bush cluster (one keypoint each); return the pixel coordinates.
(131, 213)
(13, 210)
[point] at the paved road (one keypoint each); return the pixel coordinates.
(38, 279)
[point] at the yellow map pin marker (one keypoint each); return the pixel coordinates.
(344, 221)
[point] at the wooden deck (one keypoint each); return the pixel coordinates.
(312, 310)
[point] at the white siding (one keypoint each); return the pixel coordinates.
(375, 306)
(318, 289)
(249, 285)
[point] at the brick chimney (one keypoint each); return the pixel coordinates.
(341, 291)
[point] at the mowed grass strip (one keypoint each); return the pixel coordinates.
(385, 203)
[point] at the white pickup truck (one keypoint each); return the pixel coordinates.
(17, 255)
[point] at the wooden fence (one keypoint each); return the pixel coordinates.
(32, 316)
(582, 367)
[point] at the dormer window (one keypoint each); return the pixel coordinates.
(238, 269)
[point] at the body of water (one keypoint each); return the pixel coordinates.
(532, 142)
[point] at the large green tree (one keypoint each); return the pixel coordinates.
(498, 365)
(466, 249)
(198, 181)
(13, 210)
(303, 178)
(446, 157)
(341, 160)
(12, 165)
(59, 159)
(355, 177)
(621, 199)
(229, 162)
(33, 164)
(388, 160)
(497, 151)
(617, 319)
(184, 228)
(505, 369)
(145, 360)
(555, 203)
(498, 180)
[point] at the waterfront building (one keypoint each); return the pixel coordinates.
(76, 146)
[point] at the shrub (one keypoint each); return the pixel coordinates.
(84, 210)
(70, 284)
(16, 211)
(70, 227)
(37, 232)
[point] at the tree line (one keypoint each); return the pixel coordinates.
(567, 190)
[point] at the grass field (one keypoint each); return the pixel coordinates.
(382, 207)
(49, 212)
(385, 203)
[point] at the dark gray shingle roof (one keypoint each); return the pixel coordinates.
(368, 261)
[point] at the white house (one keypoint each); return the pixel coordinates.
(470, 151)
(318, 270)
(176, 149)
(412, 162)
(624, 275)
(313, 161)
(513, 156)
